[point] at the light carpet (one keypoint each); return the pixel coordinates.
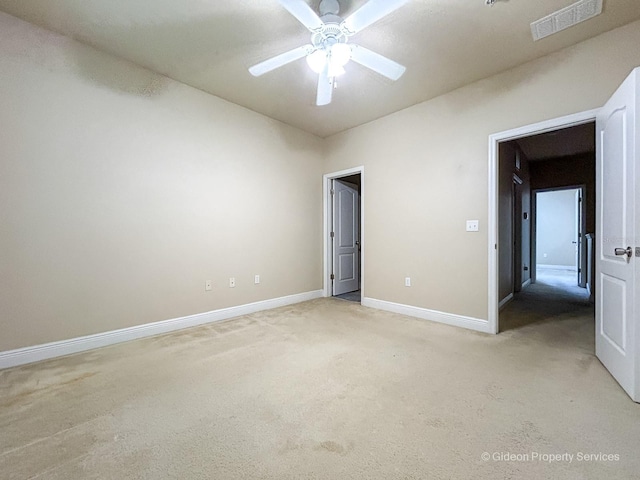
(326, 389)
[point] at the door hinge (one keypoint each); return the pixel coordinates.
(333, 192)
(579, 270)
(333, 277)
(333, 234)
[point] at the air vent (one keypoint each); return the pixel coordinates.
(565, 18)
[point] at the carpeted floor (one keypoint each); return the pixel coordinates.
(327, 389)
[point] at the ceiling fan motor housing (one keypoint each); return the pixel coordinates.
(329, 34)
(329, 7)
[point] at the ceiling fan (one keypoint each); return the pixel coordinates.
(329, 50)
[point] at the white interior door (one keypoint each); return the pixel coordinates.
(346, 243)
(617, 272)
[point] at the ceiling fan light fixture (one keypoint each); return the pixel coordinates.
(335, 70)
(340, 54)
(317, 60)
(329, 51)
(334, 58)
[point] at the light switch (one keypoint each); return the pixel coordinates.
(473, 225)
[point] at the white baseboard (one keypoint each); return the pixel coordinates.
(526, 283)
(505, 300)
(426, 314)
(21, 356)
(569, 268)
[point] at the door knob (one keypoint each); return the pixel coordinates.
(624, 251)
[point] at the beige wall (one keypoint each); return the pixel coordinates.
(121, 192)
(426, 170)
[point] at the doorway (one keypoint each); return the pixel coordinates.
(553, 302)
(616, 269)
(343, 235)
(546, 254)
(553, 155)
(560, 240)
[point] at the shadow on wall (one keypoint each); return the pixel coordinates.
(116, 75)
(55, 53)
(218, 47)
(209, 49)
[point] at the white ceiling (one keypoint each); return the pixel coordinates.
(209, 44)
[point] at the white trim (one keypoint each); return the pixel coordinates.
(493, 235)
(21, 356)
(570, 268)
(326, 219)
(526, 283)
(426, 314)
(505, 300)
(494, 140)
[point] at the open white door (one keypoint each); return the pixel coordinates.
(346, 244)
(617, 230)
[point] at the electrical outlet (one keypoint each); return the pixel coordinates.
(407, 281)
(207, 285)
(232, 282)
(256, 279)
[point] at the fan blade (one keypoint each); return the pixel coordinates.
(376, 62)
(325, 88)
(369, 13)
(303, 12)
(280, 60)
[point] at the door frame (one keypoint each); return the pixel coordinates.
(516, 234)
(494, 141)
(582, 261)
(327, 224)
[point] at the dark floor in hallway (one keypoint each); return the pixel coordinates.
(557, 305)
(351, 296)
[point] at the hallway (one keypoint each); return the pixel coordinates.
(554, 309)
